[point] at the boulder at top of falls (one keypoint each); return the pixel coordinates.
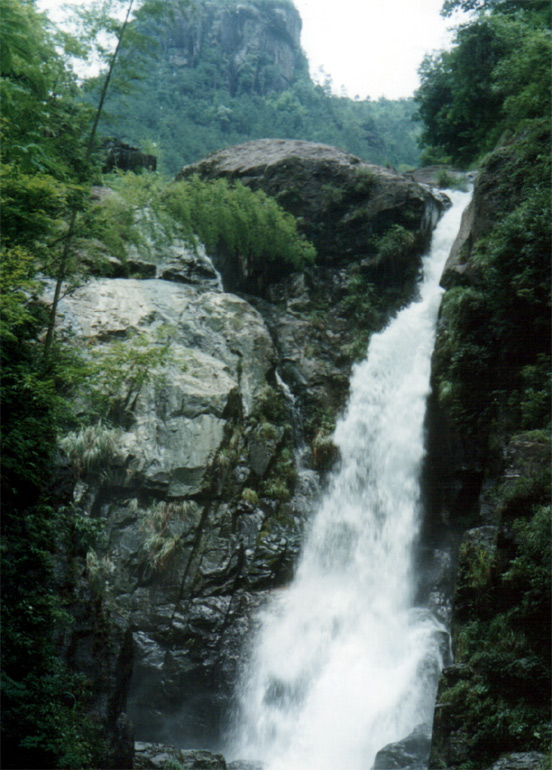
(342, 203)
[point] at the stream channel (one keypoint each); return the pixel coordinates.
(343, 662)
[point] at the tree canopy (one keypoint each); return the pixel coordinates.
(495, 79)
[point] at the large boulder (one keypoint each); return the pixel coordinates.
(343, 204)
(192, 484)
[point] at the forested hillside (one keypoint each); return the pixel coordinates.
(215, 74)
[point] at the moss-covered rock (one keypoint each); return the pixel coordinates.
(492, 410)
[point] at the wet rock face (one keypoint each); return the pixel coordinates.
(156, 756)
(343, 203)
(484, 487)
(196, 496)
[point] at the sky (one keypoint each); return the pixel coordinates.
(372, 48)
(369, 48)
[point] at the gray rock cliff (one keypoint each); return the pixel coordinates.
(262, 46)
(197, 483)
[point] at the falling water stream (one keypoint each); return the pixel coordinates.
(343, 663)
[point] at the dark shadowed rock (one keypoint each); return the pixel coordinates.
(126, 158)
(531, 760)
(411, 753)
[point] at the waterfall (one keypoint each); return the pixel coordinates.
(343, 663)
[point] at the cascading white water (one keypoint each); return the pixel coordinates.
(343, 663)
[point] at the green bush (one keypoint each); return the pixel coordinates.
(250, 496)
(230, 218)
(91, 449)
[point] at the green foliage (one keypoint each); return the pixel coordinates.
(271, 405)
(42, 123)
(448, 181)
(250, 496)
(92, 448)
(162, 541)
(394, 243)
(539, 7)
(34, 209)
(229, 218)
(172, 764)
(363, 303)
(492, 370)
(44, 704)
(47, 171)
(132, 214)
(234, 220)
(494, 80)
(493, 353)
(276, 489)
(116, 375)
(504, 642)
(17, 284)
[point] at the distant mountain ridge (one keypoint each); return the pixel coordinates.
(222, 72)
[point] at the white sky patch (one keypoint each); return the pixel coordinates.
(369, 48)
(372, 48)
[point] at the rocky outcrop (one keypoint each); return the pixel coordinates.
(409, 754)
(487, 482)
(261, 45)
(370, 226)
(194, 512)
(343, 205)
(122, 156)
(196, 482)
(155, 756)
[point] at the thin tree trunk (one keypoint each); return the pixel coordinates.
(64, 260)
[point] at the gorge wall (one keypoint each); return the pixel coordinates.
(260, 42)
(199, 490)
(488, 468)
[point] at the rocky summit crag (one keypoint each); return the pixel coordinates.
(242, 31)
(196, 484)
